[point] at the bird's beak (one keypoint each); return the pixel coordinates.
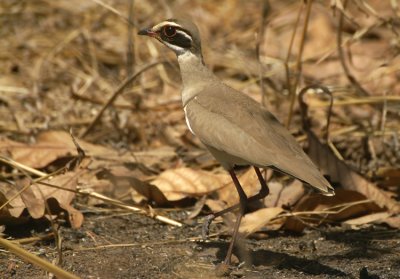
(147, 32)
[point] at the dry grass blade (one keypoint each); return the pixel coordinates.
(350, 77)
(336, 169)
(118, 91)
(341, 173)
(35, 260)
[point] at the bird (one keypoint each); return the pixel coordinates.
(236, 129)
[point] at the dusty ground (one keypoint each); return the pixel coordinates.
(60, 61)
(154, 250)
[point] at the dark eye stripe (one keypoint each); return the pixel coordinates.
(181, 38)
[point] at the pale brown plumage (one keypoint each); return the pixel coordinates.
(235, 128)
(244, 129)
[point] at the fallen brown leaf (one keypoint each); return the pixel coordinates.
(34, 197)
(367, 219)
(338, 171)
(256, 220)
(52, 145)
(250, 185)
(180, 183)
(341, 207)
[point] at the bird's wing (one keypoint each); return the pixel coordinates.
(243, 128)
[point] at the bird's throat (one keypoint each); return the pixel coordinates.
(195, 75)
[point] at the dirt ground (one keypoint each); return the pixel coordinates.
(61, 63)
(150, 249)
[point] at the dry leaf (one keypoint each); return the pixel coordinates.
(177, 184)
(52, 145)
(34, 197)
(343, 203)
(248, 181)
(366, 219)
(284, 195)
(338, 171)
(256, 220)
(122, 182)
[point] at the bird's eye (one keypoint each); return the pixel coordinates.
(169, 31)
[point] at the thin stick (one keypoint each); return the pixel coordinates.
(299, 63)
(35, 260)
(114, 11)
(130, 57)
(117, 92)
(289, 52)
(346, 70)
(264, 16)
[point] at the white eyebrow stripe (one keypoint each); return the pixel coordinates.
(186, 35)
(161, 24)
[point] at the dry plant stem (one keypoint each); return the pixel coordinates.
(130, 57)
(304, 108)
(177, 241)
(35, 260)
(299, 64)
(265, 12)
(129, 207)
(361, 101)
(289, 52)
(114, 11)
(327, 211)
(33, 239)
(43, 176)
(117, 92)
(346, 70)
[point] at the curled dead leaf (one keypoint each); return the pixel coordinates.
(180, 183)
(338, 171)
(34, 197)
(316, 208)
(256, 220)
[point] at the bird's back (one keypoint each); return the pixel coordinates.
(230, 122)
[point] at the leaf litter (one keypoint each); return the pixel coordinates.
(139, 152)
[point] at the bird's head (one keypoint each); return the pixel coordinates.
(180, 35)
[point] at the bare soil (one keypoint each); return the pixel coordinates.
(151, 249)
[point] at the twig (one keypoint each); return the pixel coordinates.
(289, 52)
(175, 241)
(117, 92)
(327, 211)
(35, 260)
(299, 63)
(304, 108)
(346, 70)
(265, 11)
(129, 207)
(360, 101)
(114, 11)
(130, 57)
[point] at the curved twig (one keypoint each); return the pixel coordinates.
(292, 89)
(304, 108)
(118, 91)
(346, 70)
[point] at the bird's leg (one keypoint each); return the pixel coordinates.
(242, 206)
(264, 191)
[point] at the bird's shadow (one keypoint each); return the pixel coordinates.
(267, 258)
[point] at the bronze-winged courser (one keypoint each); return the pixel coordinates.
(235, 128)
